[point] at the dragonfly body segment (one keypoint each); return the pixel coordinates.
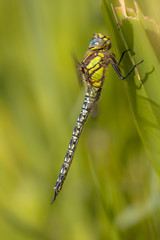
(90, 99)
(92, 69)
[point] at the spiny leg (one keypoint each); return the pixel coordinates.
(122, 56)
(119, 73)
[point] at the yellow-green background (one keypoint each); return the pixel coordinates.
(111, 191)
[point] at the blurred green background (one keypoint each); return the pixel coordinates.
(111, 191)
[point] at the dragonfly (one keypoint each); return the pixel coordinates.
(92, 70)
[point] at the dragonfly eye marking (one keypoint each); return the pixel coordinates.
(96, 43)
(100, 41)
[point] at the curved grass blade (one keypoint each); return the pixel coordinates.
(143, 90)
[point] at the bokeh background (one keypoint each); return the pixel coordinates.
(111, 191)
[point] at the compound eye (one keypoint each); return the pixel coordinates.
(96, 43)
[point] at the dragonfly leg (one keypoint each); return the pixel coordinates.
(119, 73)
(122, 56)
(112, 56)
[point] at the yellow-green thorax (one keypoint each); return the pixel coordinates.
(94, 63)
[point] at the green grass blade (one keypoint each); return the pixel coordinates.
(143, 90)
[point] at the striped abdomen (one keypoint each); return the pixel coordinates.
(90, 98)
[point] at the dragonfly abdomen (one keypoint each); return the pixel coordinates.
(90, 99)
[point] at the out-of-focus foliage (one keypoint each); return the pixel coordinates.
(112, 190)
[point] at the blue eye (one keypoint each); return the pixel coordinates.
(96, 43)
(93, 42)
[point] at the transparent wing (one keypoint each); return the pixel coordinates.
(78, 69)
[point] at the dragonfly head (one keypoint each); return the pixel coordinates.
(100, 41)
